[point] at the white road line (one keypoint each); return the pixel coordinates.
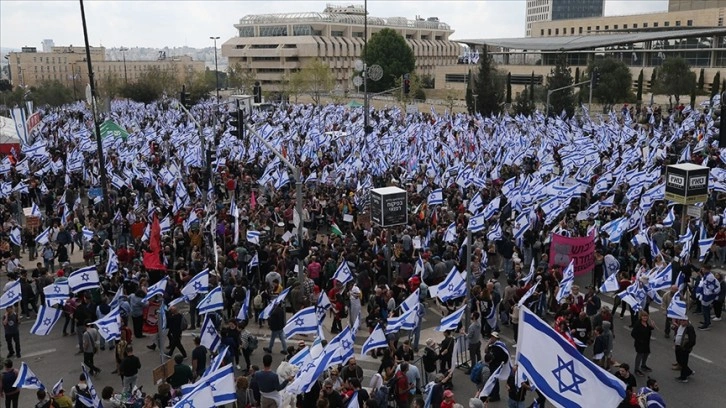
(705, 360)
(40, 353)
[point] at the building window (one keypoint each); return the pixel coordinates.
(456, 78)
(666, 23)
(247, 32)
(607, 27)
(597, 28)
(625, 26)
(541, 32)
(357, 34)
(689, 23)
(580, 30)
(549, 31)
(273, 31)
(645, 25)
(302, 30)
(678, 23)
(439, 38)
(589, 29)
(557, 31)
(655, 24)
(635, 25)
(615, 27)
(336, 33)
(572, 30)
(259, 46)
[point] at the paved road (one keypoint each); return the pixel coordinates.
(54, 356)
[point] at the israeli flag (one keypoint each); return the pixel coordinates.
(451, 322)
(11, 296)
(321, 306)
(57, 387)
(406, 321)
(15, 237)
(255, 261)
(109, 326)
(112, 263)
(454, 286)
(83, 279)
(476, 203)
(527, 295)
(611, 265)
(216, 363)
(209, 336)
(477, 223)
(491, 382)
(26, 378)
(670, 218)
(495, 234)
(660, 278)
(244, 309)
(253, 237)
(450, 235)
(44, 237)
(436, 197)
(530, 275)
(611, 284)
(411, 301)
(212, 302)
(343, 273)
(492, 208)
(265, 314)
(47, 318)
(56, 293)
(200, 396)
(116, 301)
(87, 234)
(35, 211)
(680, 281)
(634, 295)
(199, 283)
(159, 288)
(563, 375)
(704, 246)
(376, 340)
(568, 278)
(419, 269)
(521, 225)
(303, 322)
(677, 308)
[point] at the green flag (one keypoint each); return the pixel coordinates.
(110, 128)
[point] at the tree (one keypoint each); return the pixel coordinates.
(201, 85)
(675, 78)
(639, 95)
(242, 78)
(577, 80)
(52, 93)
(716, 84)
(388, 49)
(653, 77)
(701, 80)
(294, 85)
(509, 88)
(469, 96)
(561, 76)
(416, 90)
(523, 104)
(615, 81)
(489, 86)
(316, 79)
(693, 95)
(428, 81)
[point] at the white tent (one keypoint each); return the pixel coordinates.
(7, 131)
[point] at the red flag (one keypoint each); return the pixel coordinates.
(152, 259)
(253, 201)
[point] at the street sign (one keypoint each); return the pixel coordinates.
(686, 183)
(389, 206)
(694, 211)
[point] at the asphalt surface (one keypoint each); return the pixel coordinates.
(53, 357)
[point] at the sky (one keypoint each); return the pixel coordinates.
(158, 24)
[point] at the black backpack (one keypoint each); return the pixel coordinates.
(81, 392)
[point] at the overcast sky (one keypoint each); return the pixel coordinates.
(191, 23)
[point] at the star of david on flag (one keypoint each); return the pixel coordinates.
(199, 283)
(212, 302)
(303, 322)
(46, 319)
(83, 279)
(343, 273)
(26, 378)
(563, 375)
(209, 336)
(11, 296)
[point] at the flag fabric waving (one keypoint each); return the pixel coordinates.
(343, 273)
(279, 299)
(451, 321)
(562, 374)
(83, 279)
(26, 378)
(212, 302)
(12, 295)
(303, 322)
(47, 318)
(109, 326)
(209, 336)
(376, 340)
(199, 283)
(159, 288)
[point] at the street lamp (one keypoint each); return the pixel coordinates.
(216, 70)
(123, 52)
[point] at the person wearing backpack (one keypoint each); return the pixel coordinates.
(80, 389)
(44, 401)
(7, 391)
(402, 387)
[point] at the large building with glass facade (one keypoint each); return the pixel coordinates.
(549, 10)
(273, 46)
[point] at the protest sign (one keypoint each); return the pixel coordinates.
(580, 249)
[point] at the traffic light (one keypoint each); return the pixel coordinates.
(185, 98)
(237, 121)
(257, 92)
(406, 84)
(595, 78)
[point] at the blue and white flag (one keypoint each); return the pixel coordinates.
(353, 401)
(491, 382)
(159, 288)
(303, 322)
(411, 301)
(451, 322)
(521, 225)
(112, 265)
(634, 295)
(35, 211)
(476, 203)
(611, 284)
(454, 286)
(670, 218)
(276, 301)
(568, 278)
(322, 306)
(492, 208)
(26, 378)
(343, 273)
(436, 197)
(200, 396)
(406, 321)
(46, 319)
(255, 261)
(199, 283)
(12, 294)
(212, 302)
(253, 237)
(109, 326)
(661, 278)
(94, 401)
(87, 233)
(611, 265)
(56, 293)
(450, 234)
(476, 223)
(677, 308)
(44, 237)
(15, 237)
(209, 336)
(83, 279)
(116, 301)
(562, 374)
(57, 387)
(220, 381)
(530, 275)
(495, 233)
(244, 309)
(376, 340)
(527, 295)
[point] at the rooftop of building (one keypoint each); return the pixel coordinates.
(351, 14)
(583, 42)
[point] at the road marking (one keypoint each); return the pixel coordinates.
(705, 360)
(40, 353)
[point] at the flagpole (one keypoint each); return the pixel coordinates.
(467, 315)
(99, 146)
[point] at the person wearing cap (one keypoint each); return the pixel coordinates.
(90, 338)
(448, 401)
(355, 305)
(430, 357)
(499, 354)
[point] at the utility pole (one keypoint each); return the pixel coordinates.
(216, 68)
(99, 146)
(551, 91)
(123, 52)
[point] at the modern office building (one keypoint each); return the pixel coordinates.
(68, 65)
(275, 45)
(685, 5)
(553, 10)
